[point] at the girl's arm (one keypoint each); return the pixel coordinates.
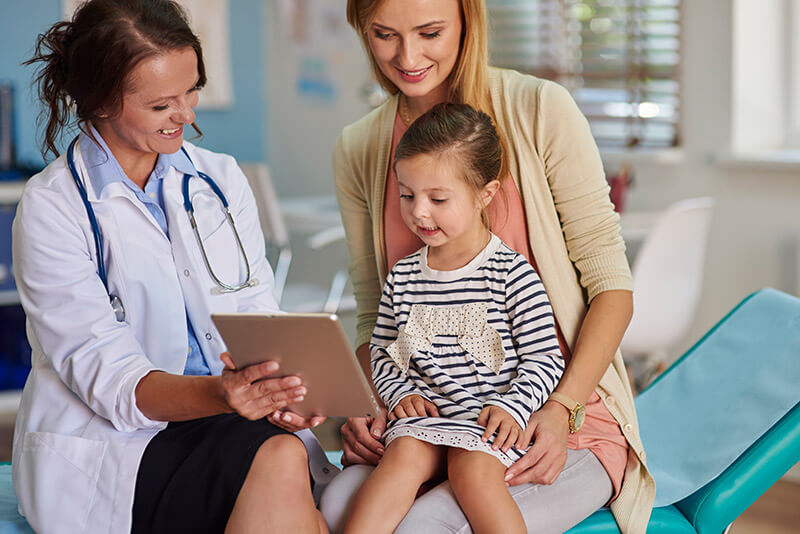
(391, 382)
(534, 337)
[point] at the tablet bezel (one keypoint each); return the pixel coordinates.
(312, 346)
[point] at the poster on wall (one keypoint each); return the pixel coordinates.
(316, 31)
(210, 20)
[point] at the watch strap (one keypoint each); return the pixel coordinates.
(565, 401)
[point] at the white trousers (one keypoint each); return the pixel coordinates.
(582, 488)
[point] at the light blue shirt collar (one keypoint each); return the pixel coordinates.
(104, 169)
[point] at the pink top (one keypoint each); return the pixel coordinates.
(601, 433)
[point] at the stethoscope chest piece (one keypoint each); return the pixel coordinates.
(119, 309)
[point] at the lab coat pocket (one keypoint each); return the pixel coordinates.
(54, 465)
(209, 213)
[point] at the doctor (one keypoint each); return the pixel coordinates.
(130, 418)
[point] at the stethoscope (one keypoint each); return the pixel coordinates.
(116, 302)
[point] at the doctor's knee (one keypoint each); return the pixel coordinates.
(282, 456)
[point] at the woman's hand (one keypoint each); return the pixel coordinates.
(413, 406)
(360, 439)
(496, 419)
(251, 393)
(549, 428)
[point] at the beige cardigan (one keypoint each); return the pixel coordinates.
(572, 226)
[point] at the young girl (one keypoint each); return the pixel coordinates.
(465, 347)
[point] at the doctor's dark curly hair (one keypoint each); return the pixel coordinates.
(85, 62)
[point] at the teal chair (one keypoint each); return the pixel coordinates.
(752, 363)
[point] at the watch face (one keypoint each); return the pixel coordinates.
(580, 416)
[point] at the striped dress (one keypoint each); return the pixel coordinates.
(482, 335)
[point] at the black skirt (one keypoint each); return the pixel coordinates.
(191, 473)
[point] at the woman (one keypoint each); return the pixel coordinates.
(555, 211)
(130, 418)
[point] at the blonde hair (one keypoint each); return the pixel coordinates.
(469, 79)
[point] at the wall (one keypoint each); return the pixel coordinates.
(240, 131)
(756, 220)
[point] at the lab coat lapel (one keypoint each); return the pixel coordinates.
(192, 273)
(111, 192)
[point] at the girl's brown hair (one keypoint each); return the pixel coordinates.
(462, 134)
(85, 62)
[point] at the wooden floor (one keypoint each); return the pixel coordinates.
(776, 512)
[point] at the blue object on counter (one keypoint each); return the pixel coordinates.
(11, 175)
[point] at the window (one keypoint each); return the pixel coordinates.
(619, 58)
(765, 110)
(792, 30)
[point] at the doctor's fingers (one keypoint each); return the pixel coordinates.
(256, 372)
(293, 422)
(259, 407)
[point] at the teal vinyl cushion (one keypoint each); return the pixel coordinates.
(720, 397)
(715, 506)
(11, 522)
(664, 520)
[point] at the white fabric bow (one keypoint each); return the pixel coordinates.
(467, 321)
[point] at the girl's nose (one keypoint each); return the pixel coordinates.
(419, 210)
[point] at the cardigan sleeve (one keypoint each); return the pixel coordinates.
(351, 194)
(580, 191)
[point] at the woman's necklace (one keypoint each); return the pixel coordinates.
(403, 108)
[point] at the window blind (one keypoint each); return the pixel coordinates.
(619, 58)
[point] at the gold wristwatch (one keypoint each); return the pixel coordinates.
(577, 411)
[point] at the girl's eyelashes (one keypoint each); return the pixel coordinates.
(160, 108)
(382, 35)
(431, 35)
(438, 200)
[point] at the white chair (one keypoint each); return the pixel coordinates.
(295, 296)
(667, 279)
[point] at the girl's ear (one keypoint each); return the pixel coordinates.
(488, 192)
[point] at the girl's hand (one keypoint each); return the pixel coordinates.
(549, 428)
(360, 437)
(252, 394)
(496, 419)
(413, 406)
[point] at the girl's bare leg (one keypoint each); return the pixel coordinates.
(276, 494)
(388, 493)
(477, 481)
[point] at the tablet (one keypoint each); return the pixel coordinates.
(309, 345)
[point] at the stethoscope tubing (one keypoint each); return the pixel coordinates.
(116, 303)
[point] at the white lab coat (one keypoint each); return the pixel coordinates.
(79, 435)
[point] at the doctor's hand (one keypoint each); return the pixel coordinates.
(360, 439)
(251, 392)
(549, 428)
